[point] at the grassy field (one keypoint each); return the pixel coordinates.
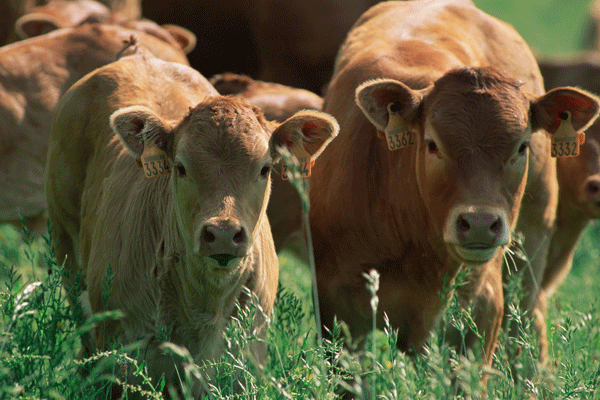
(39, 341)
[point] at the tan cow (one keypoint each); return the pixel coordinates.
(278, 103)
(34, 74)
(58, 14)
(12, 10)
(181, 245)
(461, 94)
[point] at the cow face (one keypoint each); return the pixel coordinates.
(579, 177)
(222, 154)
(473, 129)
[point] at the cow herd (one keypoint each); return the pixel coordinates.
(437, 139)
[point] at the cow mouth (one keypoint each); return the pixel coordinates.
(476, 252)
(223, 259)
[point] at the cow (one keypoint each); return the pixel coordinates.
(443, 140)
(578, 177)
(70, 13)
(297, 40)
(12, 10)
(578, 205)
(181, 241)
(34, 74)
(278, 103)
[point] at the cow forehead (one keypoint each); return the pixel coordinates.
(225, 129)
(483, 112)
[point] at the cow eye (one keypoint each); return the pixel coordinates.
(264, 172)
(431, 146)
(180, 170)
(524, 146)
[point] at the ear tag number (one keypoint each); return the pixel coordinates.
(565, 142)
(304, 163)
(396, 132)
(154, 160)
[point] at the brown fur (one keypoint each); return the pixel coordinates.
(12, 10)
(156, 233)
(34, 74)
(578, 177)
(398, 211)
(277, 102)
(58, 14)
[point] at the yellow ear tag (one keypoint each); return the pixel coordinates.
(396, 132)
(154, 160)
(304, 163)
(565, 142)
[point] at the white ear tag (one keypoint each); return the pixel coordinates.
(396, 132)
(154, 160)
(565, 142)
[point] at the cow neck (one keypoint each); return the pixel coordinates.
(193, 297)
(570, 225)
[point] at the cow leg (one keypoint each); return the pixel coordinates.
(536, 223)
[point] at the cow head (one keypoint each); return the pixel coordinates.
(473, 130)
(222, 154)
(579, 177)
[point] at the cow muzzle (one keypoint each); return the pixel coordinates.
(223, 243)
(476, 233)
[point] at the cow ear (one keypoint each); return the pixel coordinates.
(138, 124)
(35, 24)
(185, 38)
(546, 110)
(307, 130)
(373, 97)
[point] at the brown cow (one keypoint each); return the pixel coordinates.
(12, 10)
(297, 40)
(34, 74)
(578, 177)
(277, 102)
(464, 92)
(181, 246)
(70, 13)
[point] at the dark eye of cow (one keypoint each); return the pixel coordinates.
(524, 146)
(181, 170)
(431, 146)
(264, 172)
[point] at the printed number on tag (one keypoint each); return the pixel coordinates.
(396, 132)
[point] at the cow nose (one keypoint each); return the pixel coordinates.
(223, 239)
(481, 228)
(592, 189)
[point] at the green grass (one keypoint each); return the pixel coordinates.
(39, 343)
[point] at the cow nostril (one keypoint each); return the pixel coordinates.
(593, 187)
(496, 226)
(207, 236)
(463, 225)
(239, 236)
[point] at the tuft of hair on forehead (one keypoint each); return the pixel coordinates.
(482, 79)
(226, 108)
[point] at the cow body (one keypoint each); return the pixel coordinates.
(180, 246)
(578, 177)
(450, 200)
(34, 74)
(12, 10)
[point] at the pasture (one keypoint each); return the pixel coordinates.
(39, 340)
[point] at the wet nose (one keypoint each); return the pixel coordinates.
(223, 238)
(480, 227)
